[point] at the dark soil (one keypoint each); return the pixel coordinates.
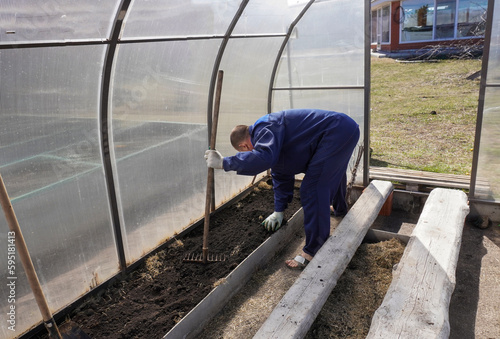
(154, 297)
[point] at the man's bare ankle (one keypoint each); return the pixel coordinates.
(307, 256)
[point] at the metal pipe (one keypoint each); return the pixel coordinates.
(104, 129)
(317, 88)
(215, 70)
(367, 120)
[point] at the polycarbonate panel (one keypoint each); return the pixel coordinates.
(488, 173)
(264, 16)
(326, 47)
(488, 167)
(154, 18)
(350, 102)
(247, 66)
(159, 130)
(51, 164)
(25, 21)
(494, 57)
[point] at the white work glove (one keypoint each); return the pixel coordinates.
(273, 222)
(214, 159)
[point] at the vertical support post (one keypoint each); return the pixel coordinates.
(366, 141)
(209, 202)
(482, 91)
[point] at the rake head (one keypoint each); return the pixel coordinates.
(204, 258)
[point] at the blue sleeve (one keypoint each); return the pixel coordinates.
(267, 145)
(283, 190)
(245, 163)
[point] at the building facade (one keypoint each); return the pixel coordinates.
(417, 24)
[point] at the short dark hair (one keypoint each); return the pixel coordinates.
(238, 135)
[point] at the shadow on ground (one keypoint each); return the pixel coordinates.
(465, 301)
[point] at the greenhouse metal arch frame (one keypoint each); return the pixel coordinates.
(86, 167)
(88, 181)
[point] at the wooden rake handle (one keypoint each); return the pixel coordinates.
(210, 175)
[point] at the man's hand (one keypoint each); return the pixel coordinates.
(214, 159)
(273, 222)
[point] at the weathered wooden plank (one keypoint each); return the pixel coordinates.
(424, 182)
(419, 175)
(414, 176)
(416, 304)
(298, 309)
(424, 178)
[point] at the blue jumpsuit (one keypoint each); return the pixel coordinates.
(318, 143)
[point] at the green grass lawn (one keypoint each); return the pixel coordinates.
(423, 114)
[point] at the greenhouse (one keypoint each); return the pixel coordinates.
(107, 109)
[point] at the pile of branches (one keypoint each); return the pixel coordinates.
(463, 50)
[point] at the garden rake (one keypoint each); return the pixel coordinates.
(205, 257)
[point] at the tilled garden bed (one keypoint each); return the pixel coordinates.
(154, 297)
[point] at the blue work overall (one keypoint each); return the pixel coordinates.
(317, 143)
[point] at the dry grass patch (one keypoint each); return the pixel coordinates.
(423, 114)
(154, 266)
(359, 292)
(346, 314)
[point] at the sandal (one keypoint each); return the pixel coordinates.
(300, 261)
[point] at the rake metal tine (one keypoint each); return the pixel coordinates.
(198, 257)
(216, 257)
(193, 257)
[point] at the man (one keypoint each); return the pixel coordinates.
(316, 142)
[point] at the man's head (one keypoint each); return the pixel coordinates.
(240, 139)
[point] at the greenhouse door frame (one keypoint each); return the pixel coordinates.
(480, 109)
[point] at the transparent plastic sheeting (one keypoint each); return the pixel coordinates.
(488, 174)
(265, 17)
(28, 21)
(51, 165)
(209, 17)
(350, 102)
(159, 18)
(488, 171)
(494, 57)
(326, 55)
(330, 55)
(242, 102)
(50, 152)
(159, 130)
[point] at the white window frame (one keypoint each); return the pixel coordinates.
(434, 21)
(379, 24)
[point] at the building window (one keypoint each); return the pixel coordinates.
(381, 25)
(445, 19)
(471, 18)
(427, 20)
(418, 20)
